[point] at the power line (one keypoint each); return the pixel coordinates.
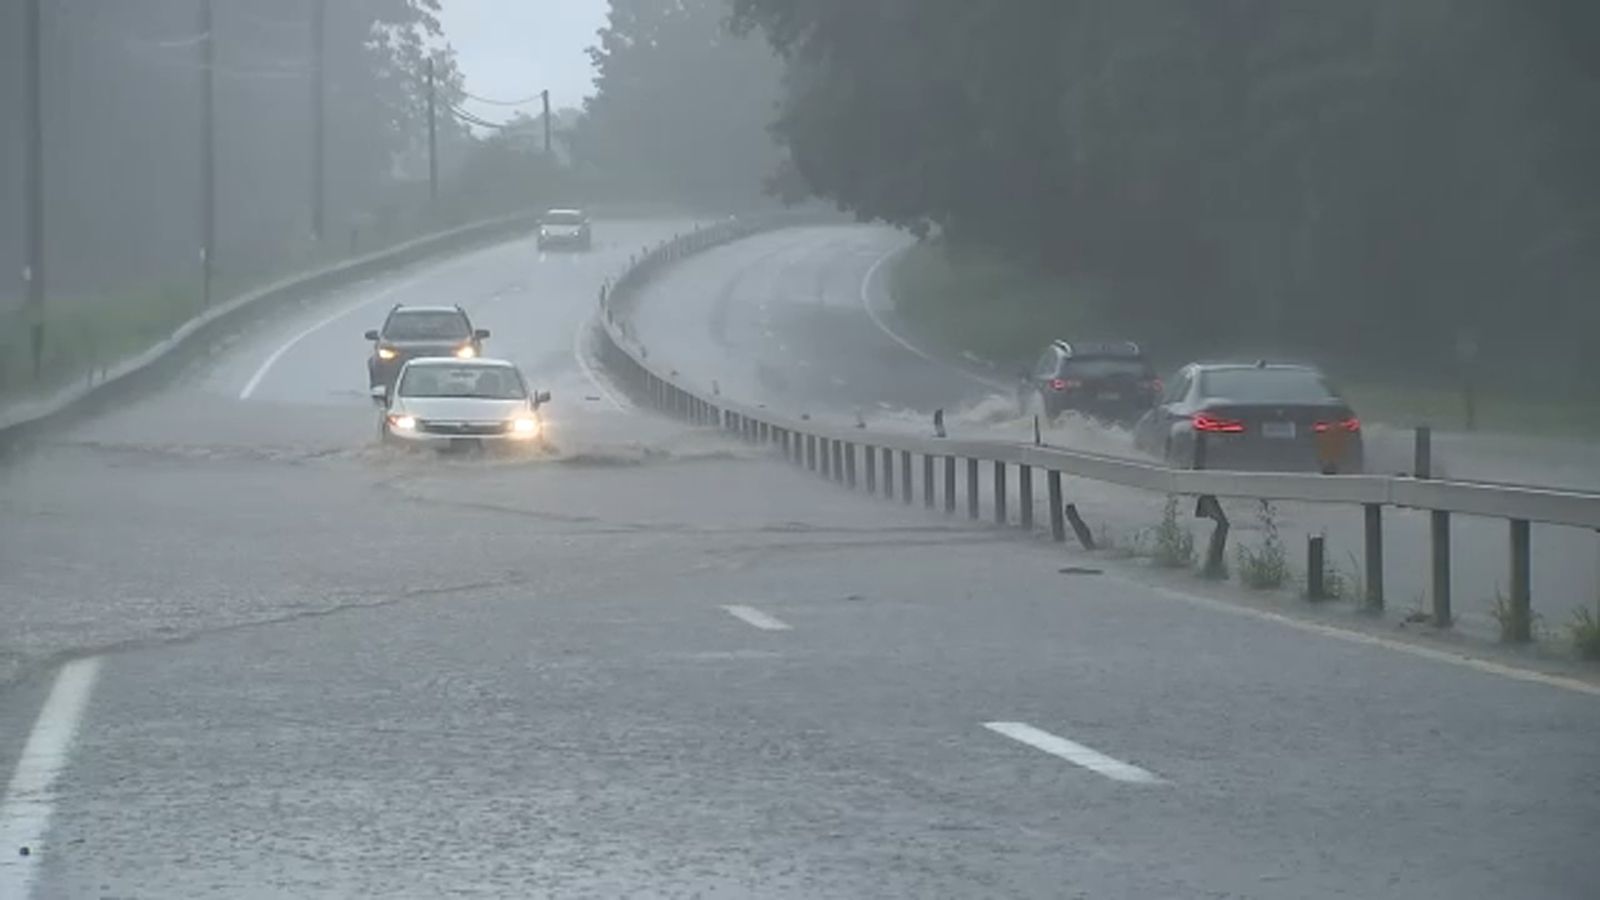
(485, 100)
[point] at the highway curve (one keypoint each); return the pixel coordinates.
(250, 655)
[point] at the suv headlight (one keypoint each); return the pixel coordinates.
(403, 423)
(386, 353)
(525, 426)
(467, 352)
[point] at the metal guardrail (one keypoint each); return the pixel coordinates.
(857, 457)
(230, 314)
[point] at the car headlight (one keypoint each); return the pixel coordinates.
(525, 427)
(467, 352)
(386, 353)
(403, 423)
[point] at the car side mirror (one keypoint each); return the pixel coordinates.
(481, 334)
(380, 395)
(372, 334)
(541, 398)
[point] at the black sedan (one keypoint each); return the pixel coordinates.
(1253, 416)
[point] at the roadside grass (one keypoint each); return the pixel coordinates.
(1444, 408)
(1173, 544)
(971, 301)
(1266, 566)
(84, 337)
(1585, 632)
(1509, 618)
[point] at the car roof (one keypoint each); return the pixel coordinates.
(408, 308)
(1116, 349)
(480, 362)
(1260, 364)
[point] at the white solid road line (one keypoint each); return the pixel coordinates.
(1072, 752)
(433, 271)
(757, 618)
(1449, 657)
(25, 813)
(872, 313)
(580, 354)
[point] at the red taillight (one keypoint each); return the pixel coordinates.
(1351, 425)
(1204, 422)
(1065, 384)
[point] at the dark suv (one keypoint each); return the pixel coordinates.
(411, 332)
(1110, 381)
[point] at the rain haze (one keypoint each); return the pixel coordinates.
(898, 448)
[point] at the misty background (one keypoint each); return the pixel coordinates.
(1385, 185)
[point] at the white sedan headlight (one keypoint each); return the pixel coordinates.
(403, 423)
(467, 352)
(525, 427)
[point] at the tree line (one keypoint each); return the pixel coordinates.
(1385, 182)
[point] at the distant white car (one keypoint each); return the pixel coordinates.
(452, 403)
(565, 228)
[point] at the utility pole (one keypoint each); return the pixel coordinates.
(33, 269)
(546, 96)
(208, 152)
(319, 118)
(433, 138)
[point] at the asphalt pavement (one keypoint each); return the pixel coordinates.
(254, 655)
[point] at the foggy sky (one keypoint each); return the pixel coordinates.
(511, 49)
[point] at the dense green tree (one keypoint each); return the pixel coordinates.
(1363, 177)
(681, 107)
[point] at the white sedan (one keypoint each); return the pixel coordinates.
(451, 403)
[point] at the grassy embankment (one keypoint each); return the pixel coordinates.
(971, 303)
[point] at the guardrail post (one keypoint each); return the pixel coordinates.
(1521, 626)
(838, 461)
(1025, 496)
(1058, 525)
(1080, 527)
(999, 492)
(906, 493)
(1316, 588)
(1374, 553)
(824, 462)
(950, 485)
(972, 489)
(869, 460)
(850, 466)
(888, 473)
(1216, 551)
(766, 433)
(1199, 460)
(1441, 568)
(1422, 459)
(811, 452)
(927, 481)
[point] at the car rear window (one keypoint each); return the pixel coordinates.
(1266, 386)
(563, 218)
(1106, 367)
(483, 382)
(426, 326)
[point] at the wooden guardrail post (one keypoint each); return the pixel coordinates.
(927, 481)
(823, 458)
(950, 485)
(850, 466)
(972, 488)
(1521, 625)
(1216, 550)
(1058, 525)
(1316, 568)
(1000, 498)
(869, 461)
(1079, 527)
(888, 473)
(838, 461)
(1025, 495)
(907, 495)
(1374, 556)
(1440, 531)
(811, 452)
